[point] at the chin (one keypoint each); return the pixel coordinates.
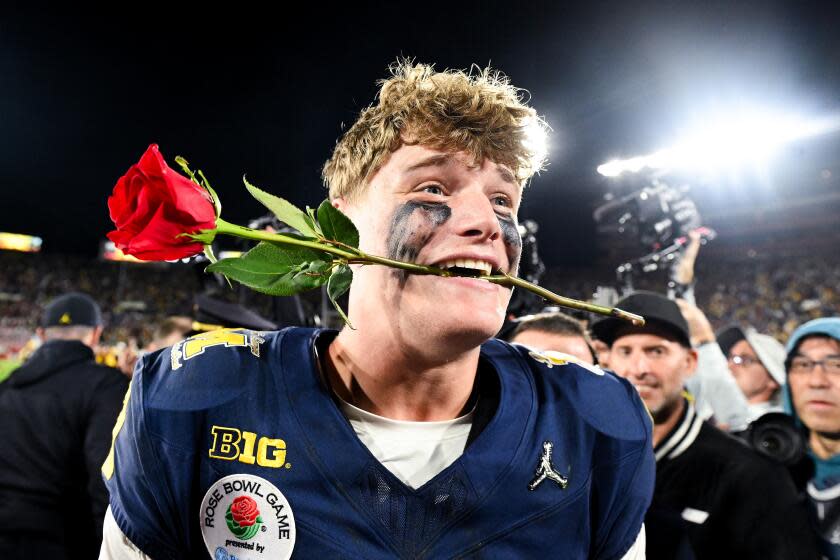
(462, 329)
(821, 424)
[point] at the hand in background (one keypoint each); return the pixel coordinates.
(684, 271)
(699, 328)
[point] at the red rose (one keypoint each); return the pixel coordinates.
(152, 204)
(244, 511)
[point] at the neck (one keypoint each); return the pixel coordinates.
(824, 446)
(662, 429)
(763, 396)
(388, 377)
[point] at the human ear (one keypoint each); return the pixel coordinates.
(690, 362)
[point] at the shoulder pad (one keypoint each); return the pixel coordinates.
(204, 370)
(608, 403)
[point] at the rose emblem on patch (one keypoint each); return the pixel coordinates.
(243, 518)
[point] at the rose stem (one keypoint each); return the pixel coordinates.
(359, 257)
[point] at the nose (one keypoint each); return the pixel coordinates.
(637, 366)
(820, 379)
(475, 217)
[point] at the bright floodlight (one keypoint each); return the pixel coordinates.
(536, 140)
(725, 142)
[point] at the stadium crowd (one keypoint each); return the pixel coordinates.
(772, 294)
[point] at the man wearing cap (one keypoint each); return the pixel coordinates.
(757, 362)
(57, 410)
(714, 497)
(813, 374)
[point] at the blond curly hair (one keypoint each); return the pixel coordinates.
(478, 112)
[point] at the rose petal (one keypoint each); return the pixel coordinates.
(151, 162)
(160, 238)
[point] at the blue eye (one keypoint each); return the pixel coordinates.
(433, 189)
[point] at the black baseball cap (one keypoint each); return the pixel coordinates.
(71, 310)
(661, 315)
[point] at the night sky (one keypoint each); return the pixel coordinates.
(245, 92)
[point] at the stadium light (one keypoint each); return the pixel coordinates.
(746, 137)
(536, 138)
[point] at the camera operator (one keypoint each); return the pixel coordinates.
(716, 395)
(714, 497)
(757, 362)
(813, 372)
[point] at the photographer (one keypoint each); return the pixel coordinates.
(813, 371)
(714, 497)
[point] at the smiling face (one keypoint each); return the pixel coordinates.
(657, 367)
(442, 209)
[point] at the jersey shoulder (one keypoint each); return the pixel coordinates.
(207, 369)
(606, 402)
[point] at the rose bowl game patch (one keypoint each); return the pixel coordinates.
(245, 516)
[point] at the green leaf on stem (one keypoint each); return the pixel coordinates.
(276, 270)
(337, 285)
(211, 256)
(208, 252)
(285, 211)
(312, 220)
(205, 236)
(185, 166)
(217, 204)
(336, 226)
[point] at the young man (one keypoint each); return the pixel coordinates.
(714, 497)
(813, 372)
(411, 435)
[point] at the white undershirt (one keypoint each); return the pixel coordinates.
(414, 452)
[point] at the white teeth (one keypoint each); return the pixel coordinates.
(483, 267)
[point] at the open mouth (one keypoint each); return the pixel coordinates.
(467, 267)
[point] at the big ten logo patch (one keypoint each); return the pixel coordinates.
(231, 444)
(227, 338)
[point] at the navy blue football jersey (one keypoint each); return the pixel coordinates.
(231, 446)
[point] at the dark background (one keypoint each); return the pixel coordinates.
(247, 91)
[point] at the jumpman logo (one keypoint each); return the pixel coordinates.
(545, 470)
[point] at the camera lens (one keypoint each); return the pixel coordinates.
(776, 436)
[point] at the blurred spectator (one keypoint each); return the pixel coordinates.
(58, 411)
(602, 352)
(813, 370)
(714, 497)
(717, 397)
(554, 331)
(171, 330)
(757, 362)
